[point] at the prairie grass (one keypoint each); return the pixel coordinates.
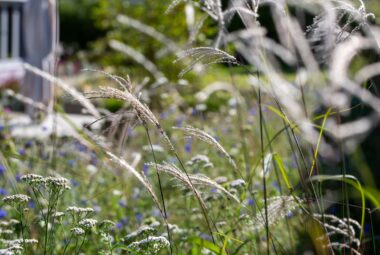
(276, 168)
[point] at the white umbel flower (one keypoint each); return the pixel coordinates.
(77, 231)
(87, 224)
(17, 199)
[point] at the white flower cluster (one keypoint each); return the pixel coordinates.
(16, 199)
(79, 210)
(11, 222)
(14, 246)
(53, 183)
(6, 252)
(33, 179)
(153, 244)
(6, 232)
(58, 214)
(88, 223)
(77, 231)
(57, 183)
(16, 249)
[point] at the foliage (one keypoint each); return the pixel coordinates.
(274, 168)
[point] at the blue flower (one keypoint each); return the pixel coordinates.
(74, 183)
(205, 236)
(145, 168)
(2, 169)
(253, 111)
(119, 224)
(18, 177)
(31, 204)
(179, 121)
(3, 192)
(29, 144)
(164, 115)
(71, 162)
(188, 145)
(156, 212)
(1, 128)
(289, 214)
(3, 213)
(22, 152)
(250, 201)
(80, 147)
(367, 228)
(94, 159)
(122, 222)
(122, 203)
(139, 217)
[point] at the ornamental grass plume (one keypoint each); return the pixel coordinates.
(207, 138)
(200, 180)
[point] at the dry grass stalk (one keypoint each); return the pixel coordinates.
(203, 136)
(206, 56)
(278, 208)
(66, 87)
(139, 58)
(143, 180)
(26, 100)
(344, 228)
(172, 170)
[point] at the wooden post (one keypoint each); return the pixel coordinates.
(40, 44)
(4, 31)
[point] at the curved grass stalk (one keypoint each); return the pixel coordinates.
(349, 179)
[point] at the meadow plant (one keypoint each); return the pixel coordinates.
(292, 71)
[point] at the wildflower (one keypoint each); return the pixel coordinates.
(2, 169)
(58, 214)
(33, 179)
(18, 177)
(122, 203)
(71, 162)
(164, 115)
(3, 192)
(3, 213)
(119, 224)
(79, 210)
(250, 202)
(91, 169)
(6, 232)
(16, 199)
(139, 217)
(221, 179)
(87, 224)
(31, 204)
(142, 232)
(188, 145)
(145, 168)
(151, 243)
(22, 152)
(15, 249)
(77, 231)
(74, 183)
(29, 144)
(237, 183)
(57, 183)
